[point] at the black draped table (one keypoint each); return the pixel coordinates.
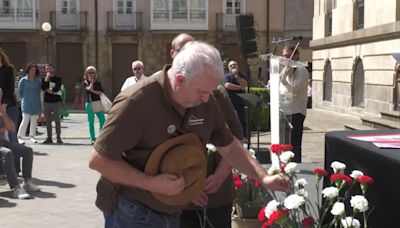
(381, 164)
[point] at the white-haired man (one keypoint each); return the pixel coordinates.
(138, 69)
(174, 101)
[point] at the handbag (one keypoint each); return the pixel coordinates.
(105, 102)
(97, 106)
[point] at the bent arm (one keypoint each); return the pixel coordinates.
(242, 160)
(231, 86)
(119, 171)
(122, 173)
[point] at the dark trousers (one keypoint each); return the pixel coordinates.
(219, 217)
(241, 112)
(292, 133)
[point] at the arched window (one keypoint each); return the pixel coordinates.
(327, 92)
(358, 86)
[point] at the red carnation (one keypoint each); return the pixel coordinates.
(308, 221)
(276, 148)
(235, 176)
(261, 215)
(365, 179)
(341, 177)
(320, 171)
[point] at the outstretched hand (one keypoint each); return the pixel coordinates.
(277, 182)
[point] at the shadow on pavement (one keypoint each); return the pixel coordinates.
(43, 194)
(37, 153)
(52, 183)
(6, 203)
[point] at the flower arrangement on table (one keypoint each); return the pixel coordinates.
(251, 195)
(296, 210)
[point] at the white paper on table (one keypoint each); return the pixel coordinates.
(379, 140)
(393, 145)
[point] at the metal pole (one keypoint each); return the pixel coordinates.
(96, 39)
(47, 47)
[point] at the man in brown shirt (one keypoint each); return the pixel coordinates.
(174, 101)
(218, 192)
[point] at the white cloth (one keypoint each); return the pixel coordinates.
(131, 80)
(294, 92)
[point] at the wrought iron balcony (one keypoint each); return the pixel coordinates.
(14, 18)
(69, 21)
(124, 22)
(226, 22)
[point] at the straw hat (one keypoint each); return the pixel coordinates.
(183, 156)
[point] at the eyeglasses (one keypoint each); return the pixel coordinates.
(137, 68)
(232, 65)
(90, 72)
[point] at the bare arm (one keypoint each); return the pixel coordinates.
(243, 161)
(121, 172)
(231, 86)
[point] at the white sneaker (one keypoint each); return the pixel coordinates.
(33, 140)
(19, 193)
(20, 141)
(31, 187)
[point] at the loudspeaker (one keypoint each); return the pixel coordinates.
(246, 35)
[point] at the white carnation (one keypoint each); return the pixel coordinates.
(294, 201)
(330, 192)
(301, 183)
(359, 202)
(274, 170)
(338, 167)
(286, 156)
(356, 173)
(271, 207)
(290, 168)
(350, 222)
(302, 192)
(338, 208)
(211, 147)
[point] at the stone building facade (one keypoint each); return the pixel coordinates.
(110, 34)
(353, 70)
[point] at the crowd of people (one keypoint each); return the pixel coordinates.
(192, 99)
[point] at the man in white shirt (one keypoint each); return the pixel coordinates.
(137, 68)
(294, 83)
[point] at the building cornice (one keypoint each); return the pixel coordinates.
(378, 33)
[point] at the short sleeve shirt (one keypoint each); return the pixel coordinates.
(142, 117)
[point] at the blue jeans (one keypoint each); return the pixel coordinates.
(13, 113)
(130, 213)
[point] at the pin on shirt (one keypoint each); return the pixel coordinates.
(171, 129)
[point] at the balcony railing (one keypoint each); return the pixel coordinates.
(69, 21)
(13, 18)
(124, 22)
(226, 22)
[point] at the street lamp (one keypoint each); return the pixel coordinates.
(46, 28)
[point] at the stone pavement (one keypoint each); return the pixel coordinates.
(68, 185)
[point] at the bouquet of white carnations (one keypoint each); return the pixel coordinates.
(296, 210)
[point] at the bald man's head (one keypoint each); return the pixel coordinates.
(178, 42)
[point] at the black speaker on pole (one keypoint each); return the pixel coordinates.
(246, 35)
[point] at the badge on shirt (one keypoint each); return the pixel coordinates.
(171, 129)
(194, 121)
